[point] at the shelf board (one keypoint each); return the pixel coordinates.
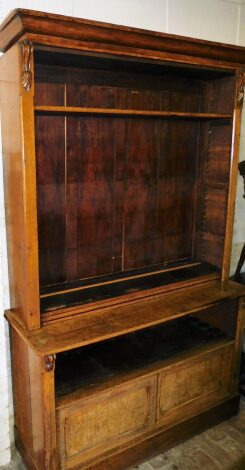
(117, 286)
(126, 112)
(116, 320)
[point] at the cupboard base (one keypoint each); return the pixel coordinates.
(143, 449)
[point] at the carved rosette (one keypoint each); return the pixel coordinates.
(49, 362)
(240, 90)
(26, 53)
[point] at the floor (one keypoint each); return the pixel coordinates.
(221, 447)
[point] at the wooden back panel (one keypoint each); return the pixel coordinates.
(107, 192)
(116, 194)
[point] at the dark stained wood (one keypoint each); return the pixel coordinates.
(176, 191)
(216, 190)
(80, 205)
(140, 198)
(51, 198)
(95, 197)
(49, 94)
(116, 82)
(218, 94)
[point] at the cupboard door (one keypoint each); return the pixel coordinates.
(91, 426)
(193, 385)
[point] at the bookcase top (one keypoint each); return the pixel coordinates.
(75, 33)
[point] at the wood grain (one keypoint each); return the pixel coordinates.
(34, 404)
(120, 153)
(20, 189)
(128, 112)
(29, 21)
(110, 322)
(184, 390)
(114, 417)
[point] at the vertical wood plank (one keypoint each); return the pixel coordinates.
(34, 400)
(95, 196)
(73, 154)
(51, 197)
(42, 393)
(119, 193)
(20, 187)
(140, 199)
(176, 190)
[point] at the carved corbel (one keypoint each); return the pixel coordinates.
(240, 90)
(26, 53)
(49, 362)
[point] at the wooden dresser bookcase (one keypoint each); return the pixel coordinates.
(120, 158)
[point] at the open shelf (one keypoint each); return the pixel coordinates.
(128, 112)
(98, 324)
(87, 369)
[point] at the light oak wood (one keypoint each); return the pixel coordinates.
(111, 322)
(127, 112)
(88, 427)
(34, 405)
(20, 189)
(186, 388)
(107, 420)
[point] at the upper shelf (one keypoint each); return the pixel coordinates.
(127, 112)
(105, 323)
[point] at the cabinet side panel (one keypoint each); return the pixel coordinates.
(21, 389)
(33, 390)
(20, 189)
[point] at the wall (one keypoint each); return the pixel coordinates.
(218, 20)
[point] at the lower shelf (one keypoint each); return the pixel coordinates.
(85, 370)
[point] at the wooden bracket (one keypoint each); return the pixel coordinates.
(49, 362)
(26, 52)
(240, 89)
